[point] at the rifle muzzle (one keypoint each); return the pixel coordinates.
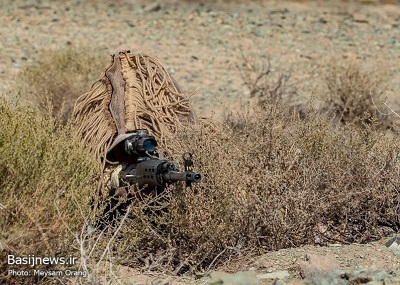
(188, 176)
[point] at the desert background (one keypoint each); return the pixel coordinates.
(258, 69)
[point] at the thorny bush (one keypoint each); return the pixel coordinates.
(355, 94)
(270, 182)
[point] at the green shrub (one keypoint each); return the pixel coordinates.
(47, 181)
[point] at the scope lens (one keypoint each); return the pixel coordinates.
(150, 145)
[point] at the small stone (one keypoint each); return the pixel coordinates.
(322, 21)
(393, 243)
(359, 18)
(154, 7)
(90, 229)
(259, 33)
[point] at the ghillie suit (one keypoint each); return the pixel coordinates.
(136, 92)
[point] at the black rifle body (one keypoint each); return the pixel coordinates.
(156, 172)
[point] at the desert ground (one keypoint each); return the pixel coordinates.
(201, 44)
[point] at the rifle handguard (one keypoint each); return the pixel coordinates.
(156, 172)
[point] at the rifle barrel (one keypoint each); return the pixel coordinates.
(188, 176)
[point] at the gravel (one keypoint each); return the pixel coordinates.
(200, 42)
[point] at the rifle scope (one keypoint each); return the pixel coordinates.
(140, 143)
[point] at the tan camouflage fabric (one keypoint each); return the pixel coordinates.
(135, 92)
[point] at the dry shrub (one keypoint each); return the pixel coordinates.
(62, 74)
(355, 94)
(47, 181)
(268, 84)
(271, 182)
(264, 82)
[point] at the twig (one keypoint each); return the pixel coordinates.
(2, 207)
(379, 111)
(393, 111)
(215, 259)
(114, 235)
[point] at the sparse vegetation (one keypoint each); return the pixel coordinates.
(356, 94)
(271, 180)
(264, 82)
(62, 75)
(47, 181)
(275, 182)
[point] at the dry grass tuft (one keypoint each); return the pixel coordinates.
(62, 74)
(355, 94)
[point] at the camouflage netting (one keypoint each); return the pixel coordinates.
(136, 92)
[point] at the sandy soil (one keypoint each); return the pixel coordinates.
(200, 43)
(374, 256)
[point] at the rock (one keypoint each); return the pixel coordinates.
(239, 278)
(316, 265)
(359, 18)
(328, 279)
(363, 275)
(379, 276)
(393, 243)
(154, 7)
(322, 21)
(282, 275)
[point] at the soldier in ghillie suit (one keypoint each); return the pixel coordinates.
(135, 95)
